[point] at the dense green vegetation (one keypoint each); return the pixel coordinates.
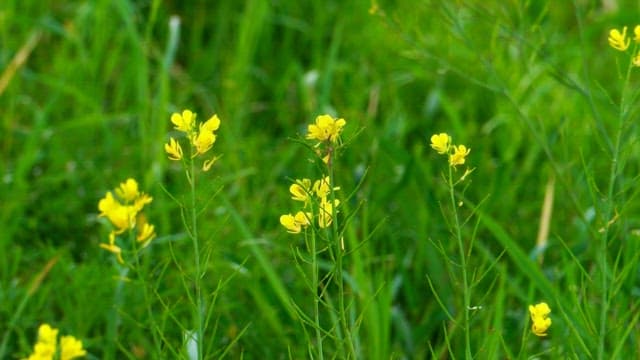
(547, 107)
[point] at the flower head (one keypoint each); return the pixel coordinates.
(459, 154)
(47, 345)
(295, 223)
(441, 142)
(128, 190)
(71, 348)
(184, 122)
(300, 190)
(618, 40)
(540, 318)
(326, 128)
(201, 137)
(124, 212)
(636, 34)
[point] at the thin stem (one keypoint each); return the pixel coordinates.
(338, 245)
(608, 214)
(463, 265)
(316, 296)
(196, 252)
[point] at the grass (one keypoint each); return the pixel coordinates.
(547, 107)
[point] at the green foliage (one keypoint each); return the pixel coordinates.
(532, 87)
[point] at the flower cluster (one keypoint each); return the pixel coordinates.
(442, 144)
(540, 318)
(48, 346)
(124, 211)
(619, 41)
(316, 200)
(326, 130)
(201, 136)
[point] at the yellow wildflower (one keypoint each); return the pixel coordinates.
(295, 223)
(441, 142)
(540, 318)
(174, 149)
(212, 124)
(71, 348)
(300, 190)
(326, 128)
(125, 213)
(203, 140)
(146, 231)
(47, 344)
(619, 40)
(636, 33)
(459, 153)
(184, 122)
(128, 190)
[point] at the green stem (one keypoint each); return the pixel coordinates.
(114, 320)
(463, 265)
(608, 215)
(197, 282)
(339, 251)
(316, 297)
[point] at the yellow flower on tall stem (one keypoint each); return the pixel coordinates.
(200, 140)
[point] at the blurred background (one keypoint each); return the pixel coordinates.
(87, 89)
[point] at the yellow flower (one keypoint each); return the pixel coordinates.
(326, 128)
(128, 190)
(636, 33)
(212, 124)
(441, 142)
(203, 140)
(321, 187)
(71, 348)
(459, 153)
(300, 190)
(146, 231)
(125, 213)
(294, 224)
(540, 318)
(325, 213)
(184, 122)
(619, 40)
(174, 149)
(121, 216)
(47, 344)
